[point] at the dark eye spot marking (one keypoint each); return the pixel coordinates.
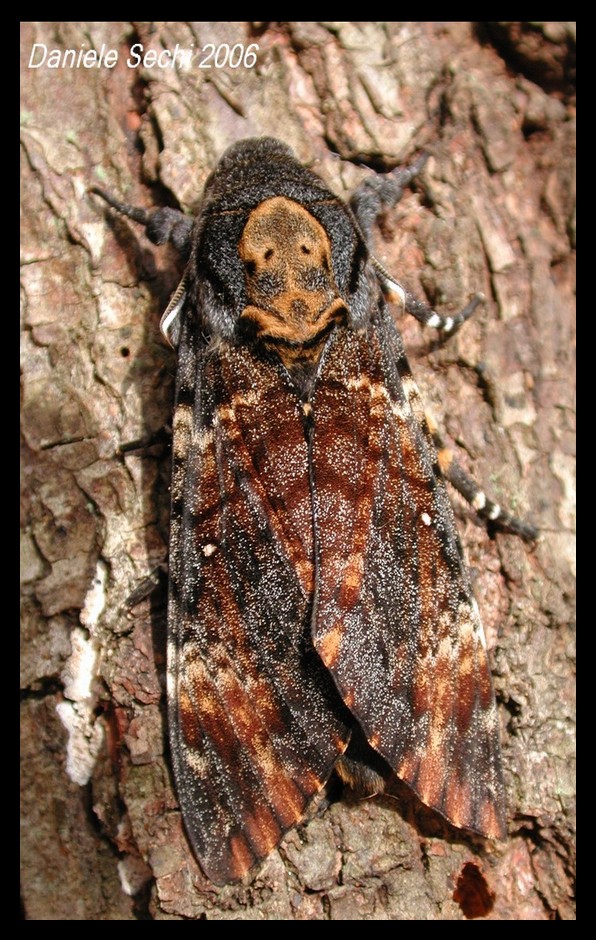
(305, 249)
(268, 254)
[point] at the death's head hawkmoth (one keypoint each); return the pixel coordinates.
(320, 614)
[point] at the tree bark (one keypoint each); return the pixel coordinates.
(102, 837)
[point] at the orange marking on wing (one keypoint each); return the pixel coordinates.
(263, 454)
(431, 776)
(351, 581)
(458, 802)
(262, 829)
(242, 855)
(408, 767)
(328, 645)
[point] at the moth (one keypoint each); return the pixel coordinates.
(320, 615)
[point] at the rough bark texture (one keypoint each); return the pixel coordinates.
(102, 836)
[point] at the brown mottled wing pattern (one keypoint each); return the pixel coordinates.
(395, 621)
(255, 720)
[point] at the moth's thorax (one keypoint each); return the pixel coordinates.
(292, 294)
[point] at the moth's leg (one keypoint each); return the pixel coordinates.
(378, 193)
(162, 438)
(161, 225)
(474, 494)
(373, 197)
(447, 325)
(450, 470)
(156, 581)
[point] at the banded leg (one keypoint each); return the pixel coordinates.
(486, 508)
